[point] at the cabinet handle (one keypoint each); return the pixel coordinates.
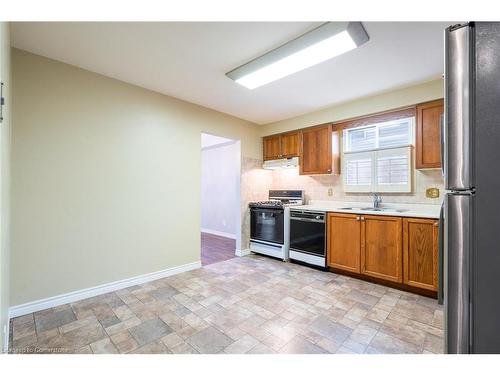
(362, 218)
(436, 224)
(357, 218)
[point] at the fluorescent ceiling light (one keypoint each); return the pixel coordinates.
(315, 54)
(321, 44)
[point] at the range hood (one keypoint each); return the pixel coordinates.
(281, 163)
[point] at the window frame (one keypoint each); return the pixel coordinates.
(373, 120)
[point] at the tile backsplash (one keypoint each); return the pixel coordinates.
(256, 182)
(316, 187)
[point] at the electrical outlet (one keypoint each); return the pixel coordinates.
(432, 193)
(330, 192)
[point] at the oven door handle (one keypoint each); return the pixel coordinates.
(305, 219)
(268, 213)
(273, 210)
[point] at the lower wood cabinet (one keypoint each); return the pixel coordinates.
(391, 248)
(420, 253)
(381, 247)
(344, 242)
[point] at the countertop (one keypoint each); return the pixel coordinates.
(430, 211)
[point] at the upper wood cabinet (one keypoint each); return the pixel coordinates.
(420, 253)
(289, 144)
(281, 146)
(428, 143)
(272, 146)
(344, 242)
(317, 147)
(316, 150)
(381, 247)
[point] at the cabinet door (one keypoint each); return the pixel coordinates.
(316, 150)
(428, 147)
(344, 242)
(336, 152)
(272, 146)
(290, 145)
(420, 253)
(381, 247)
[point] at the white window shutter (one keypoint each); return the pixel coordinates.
(393, 170)
(358, 172)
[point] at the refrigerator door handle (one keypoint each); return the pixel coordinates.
(441, 138)
(459, 67)
(458, 226)
(441, 256)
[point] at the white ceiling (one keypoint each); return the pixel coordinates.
(189, 60)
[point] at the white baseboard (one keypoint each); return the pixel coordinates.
(218, 233)
(5, 344)
(242, 252)
(42, 304)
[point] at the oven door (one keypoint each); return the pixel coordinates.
(267, 224)
(307, 234)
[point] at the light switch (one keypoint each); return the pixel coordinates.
(330, 192)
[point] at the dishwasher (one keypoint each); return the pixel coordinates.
(308, 237)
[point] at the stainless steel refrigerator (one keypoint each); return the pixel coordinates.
(471, 167)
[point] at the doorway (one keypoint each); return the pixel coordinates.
(220, 198)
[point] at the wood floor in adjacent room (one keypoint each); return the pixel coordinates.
(216, 249)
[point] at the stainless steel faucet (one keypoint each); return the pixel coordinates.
(377, 199)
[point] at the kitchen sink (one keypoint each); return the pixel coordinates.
(380, 209)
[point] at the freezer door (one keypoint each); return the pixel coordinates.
(457, 270)
(458, 142)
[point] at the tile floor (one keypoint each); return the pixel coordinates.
(216, 249)
(252, 304)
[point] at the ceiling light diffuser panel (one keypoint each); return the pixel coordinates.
(323, 43)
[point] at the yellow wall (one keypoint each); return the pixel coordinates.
(105, 178)
(382, 102)
(4, 182)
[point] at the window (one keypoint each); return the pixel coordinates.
(387, 134)
(377, 158)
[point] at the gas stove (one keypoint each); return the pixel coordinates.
(270, 223)
(280, 199)
(271, 204)
(274, 204)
